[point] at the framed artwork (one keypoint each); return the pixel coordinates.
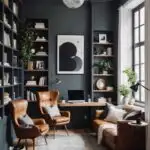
(102, 38)
(70, 54)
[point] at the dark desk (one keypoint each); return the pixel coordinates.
(82, 114)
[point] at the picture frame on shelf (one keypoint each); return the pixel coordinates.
(102, 38)
(40, 65)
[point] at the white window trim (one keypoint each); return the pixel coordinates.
(147, 62)
(125, 39)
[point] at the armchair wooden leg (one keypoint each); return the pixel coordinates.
(33, 144)
(66, 129)
(45, 139)
(18, 142)
(26, 144)
(54, 128)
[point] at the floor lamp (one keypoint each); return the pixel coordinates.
(135, 89)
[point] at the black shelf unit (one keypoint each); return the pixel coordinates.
(11, 69)
(103, 51)
(10, 66)
(39, 45)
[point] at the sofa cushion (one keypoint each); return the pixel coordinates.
(114, 114)
(133, 115)
(97, 123)
(110, 135)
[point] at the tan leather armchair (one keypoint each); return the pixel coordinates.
(18, 108)
(50, 98)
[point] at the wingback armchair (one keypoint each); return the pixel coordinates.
(18, 108)
(50, 98)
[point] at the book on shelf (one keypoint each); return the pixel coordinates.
(31, 96)
(39, 25)
(43, 81)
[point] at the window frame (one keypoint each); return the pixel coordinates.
(139, 44)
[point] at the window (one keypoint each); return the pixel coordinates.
(139, 49)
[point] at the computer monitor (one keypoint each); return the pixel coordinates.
(76, 95)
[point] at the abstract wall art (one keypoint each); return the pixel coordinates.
(70, 54)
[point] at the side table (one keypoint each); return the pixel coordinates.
(138, 134)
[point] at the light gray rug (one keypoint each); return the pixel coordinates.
(75, 141)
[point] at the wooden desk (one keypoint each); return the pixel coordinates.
(84, 104)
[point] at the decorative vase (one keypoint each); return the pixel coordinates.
(30, 65)
(105, 72)
(132, 101)
(125, 100)
(96, 70)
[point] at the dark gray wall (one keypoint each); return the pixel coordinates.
(68, 21)
(123, 1)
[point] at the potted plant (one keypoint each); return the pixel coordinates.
(98, 66)
(131, 76)
(26, 40)
(106, 66)
(124, 91)
(103, 66)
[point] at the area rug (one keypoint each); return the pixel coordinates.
(75, 141)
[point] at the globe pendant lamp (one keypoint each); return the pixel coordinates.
(73, 3)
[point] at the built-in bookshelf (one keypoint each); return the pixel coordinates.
(11, 82)
(103, 66)
(36, 73)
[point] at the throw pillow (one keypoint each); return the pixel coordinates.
(25, 120)
(52, 110)
(114, 114)
(133, 115)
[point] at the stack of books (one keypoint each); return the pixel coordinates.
(31, 96)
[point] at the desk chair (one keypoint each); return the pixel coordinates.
(50, 98)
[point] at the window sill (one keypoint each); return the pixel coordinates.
(139, 104)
